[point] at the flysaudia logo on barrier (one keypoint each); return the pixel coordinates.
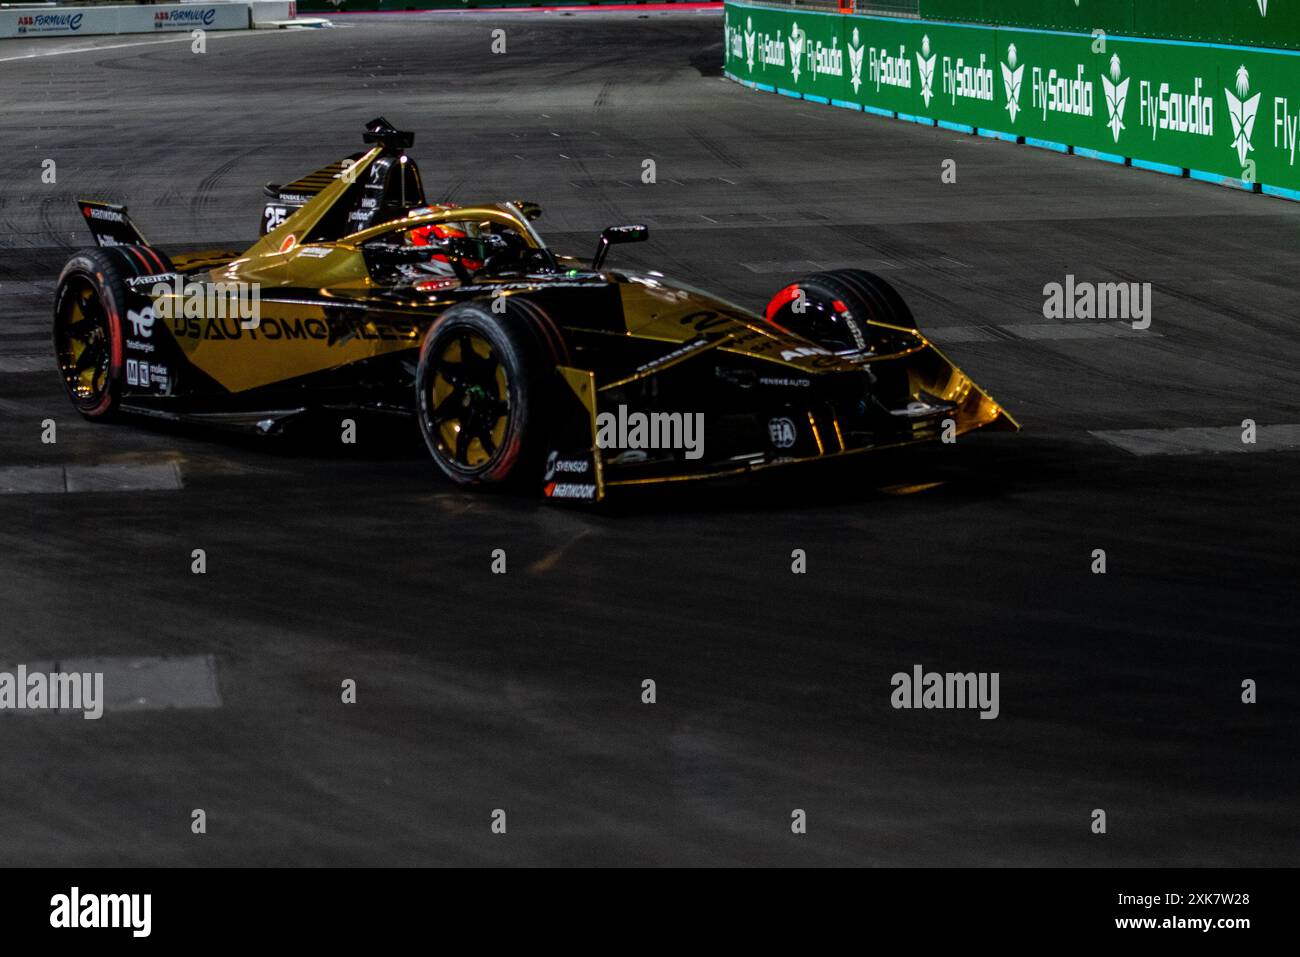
(1175, 99)
(1116, 91)
(1242, 111)
(754, 47)
(1012, 75)
(925, 68)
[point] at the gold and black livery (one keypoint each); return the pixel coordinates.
(519, 365)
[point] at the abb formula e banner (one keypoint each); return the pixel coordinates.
(1229, 114)
(92, 21)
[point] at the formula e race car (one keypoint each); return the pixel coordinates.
(520, 366)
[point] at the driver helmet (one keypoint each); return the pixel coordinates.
(429, 235)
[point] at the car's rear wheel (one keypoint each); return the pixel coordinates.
(834, 309)
(482, 384)
(89, 305)
(88, 332)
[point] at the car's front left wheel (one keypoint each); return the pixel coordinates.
(482, 384)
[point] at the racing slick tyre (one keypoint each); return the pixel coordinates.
(481, 392)
(836, 307)
(89, 310)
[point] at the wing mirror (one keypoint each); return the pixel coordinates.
(633, 233)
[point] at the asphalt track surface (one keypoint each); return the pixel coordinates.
(523, 692)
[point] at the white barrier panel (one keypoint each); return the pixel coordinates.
(92, 21)
(265, 11)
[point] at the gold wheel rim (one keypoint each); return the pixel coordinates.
(84, 349)
(469, 401)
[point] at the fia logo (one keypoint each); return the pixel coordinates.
(796, 41)
(1116, 97)
(1242, 113)
(781, 432)
(1011, 77)
(141, 322)
(855, 61)
(925, 66)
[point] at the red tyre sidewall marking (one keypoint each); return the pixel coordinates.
(115, 345)
(156, 258)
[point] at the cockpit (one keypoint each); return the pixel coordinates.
(463, 244)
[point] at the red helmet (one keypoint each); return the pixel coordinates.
(426, 235)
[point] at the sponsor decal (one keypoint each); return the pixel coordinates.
(1116, 91)
(1286, 126)
(1057, 93)
(333, 329)
(50, 23)
(741, 337)
(1012, 76)
(800, 352)
(888, 69)
(580, 491)
(782, 432)
(1164, 109)
(856, 51)
(796, 41)
(681, 352)
(110, 215)
(782, 381)
(917, 409)
(826, 60)
(566, 466)
(967, 80)
(925, 69)
(1241, 112)
(147, 375)
(189, 17)
(151, 280)
(141, 322)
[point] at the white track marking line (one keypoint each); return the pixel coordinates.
(144, 43)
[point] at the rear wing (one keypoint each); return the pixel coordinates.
(110, 225)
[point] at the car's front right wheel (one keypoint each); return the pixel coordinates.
(835, 309)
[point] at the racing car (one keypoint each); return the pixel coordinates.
(520, 366)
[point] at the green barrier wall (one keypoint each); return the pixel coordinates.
(1270, 23)
(358, 6)
(1227, 114)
